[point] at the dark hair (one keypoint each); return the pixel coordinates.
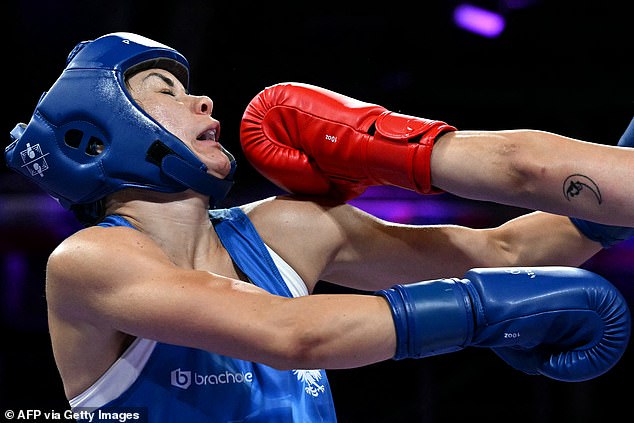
(90, 214)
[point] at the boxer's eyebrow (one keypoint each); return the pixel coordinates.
(168, 81)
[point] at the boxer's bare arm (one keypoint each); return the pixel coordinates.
(107, 283)
(538, 170)
(349, 247)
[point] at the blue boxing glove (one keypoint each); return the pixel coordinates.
(608, 235)
(565, 323)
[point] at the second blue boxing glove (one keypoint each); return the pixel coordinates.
(565, 323)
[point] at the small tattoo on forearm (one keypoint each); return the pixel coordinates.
(575, 184)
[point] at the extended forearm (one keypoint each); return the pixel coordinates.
(539, 171)
(331, 331)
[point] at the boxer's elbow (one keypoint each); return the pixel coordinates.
(522, 164)
(297, 347)
(297, 350)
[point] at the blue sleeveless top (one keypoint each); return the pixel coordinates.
(182, 384)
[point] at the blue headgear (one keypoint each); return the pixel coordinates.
(87, 138)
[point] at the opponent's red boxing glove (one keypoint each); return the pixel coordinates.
(309, 140)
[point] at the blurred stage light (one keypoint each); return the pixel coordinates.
(479, 21)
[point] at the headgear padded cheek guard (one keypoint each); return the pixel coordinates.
(87, 138)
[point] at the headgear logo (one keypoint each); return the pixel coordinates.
(181, 378)
(33, 159)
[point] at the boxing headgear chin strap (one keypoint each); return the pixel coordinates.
(87, 138)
